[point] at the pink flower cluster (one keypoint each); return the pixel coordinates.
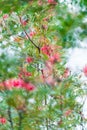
(24, 23)
(29, 59)
(53, 57)
(47, 74)
(18, 83)
(51, 2)
(68, 113)
(66, 73)
(31, 34)
(85, 70)
(5, 16)
(46, 50)
(24, 73)
(3, 120)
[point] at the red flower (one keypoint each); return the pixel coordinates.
(68, 112)
(85, 70)
(29, 59)
(3, 120)
(8, 84)
(23, 22)
(5, 16)
(39, 2)
(29, 86)
(66, 73)
(24, 73)
(45, 19)
(51, 2)
(17, 83)
(54, 58)
(31, 34)
(46, 49)
(27, 74)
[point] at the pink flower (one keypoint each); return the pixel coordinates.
(85, 70)
(31, 34)
(5, 16)
(68, 112)
(51, 2)
(39, 2)
(45, 19)
(2, 120)
(66, 73)
(44, 26)
(27, 74)
(17, 83)
(24, 23)
(47, 74)
(24, 73)
(8, 84)
(54, 58)
(29, 59)
(50, 80)
(46, 49)
(29, 86)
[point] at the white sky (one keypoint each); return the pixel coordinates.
(77, 58)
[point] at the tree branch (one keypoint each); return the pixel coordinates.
(28, 35)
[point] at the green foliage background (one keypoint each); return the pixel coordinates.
(45, 107)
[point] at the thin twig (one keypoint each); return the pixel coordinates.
(28, 35)
(20, 120)
(10, 117)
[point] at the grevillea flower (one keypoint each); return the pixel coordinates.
(46, 49)
(23, 22)
(54, 58)
(68, 112)
(29, 59)
(45, 19)
(66, 73)
(47, 74)
(50, 80)
(24, 73)
(39, 2)
(3, 120)
(17, 83)
(27, 74)
(51, 2)
(5, 16)
(8, 84)
(85, 70)
(29, 86)
(31, 34)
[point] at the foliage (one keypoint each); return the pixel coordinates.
(37, 91)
